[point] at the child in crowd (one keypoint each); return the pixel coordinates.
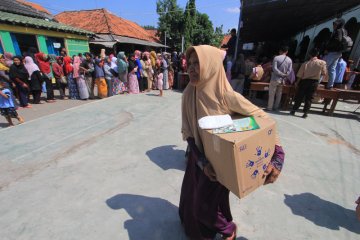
(7, 108)
(160, 81)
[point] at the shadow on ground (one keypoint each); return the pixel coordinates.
(323, 213)
(167, 157)
(151, 218)
(4, 125)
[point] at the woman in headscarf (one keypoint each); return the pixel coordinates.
(87, 66)
(153, 59)
(3, 72)
(132, 78)
(149, 71)
(8, 59)
(68, 70)
(43, 61)
(60, 78)
(35, 79)
(19, 75)
(145, 76)
(170, 73)
(109, 77)
(204, 203)
(78, 75)
(100, 78)
(123, 65)
(165, 67)
(4, 77)
(139, 72)
(115, 88)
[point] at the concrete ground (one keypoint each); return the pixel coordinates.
(112, 169)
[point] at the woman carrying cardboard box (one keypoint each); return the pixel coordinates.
(204, 203)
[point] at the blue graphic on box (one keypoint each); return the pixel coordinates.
(258, 151)
(250, 164)
(259, 162)
(264, 167)
(255, 173)
(267, 153)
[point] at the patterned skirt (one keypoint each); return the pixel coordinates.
(8, 112)
(73, 89)
(116, 86)
(133, 84)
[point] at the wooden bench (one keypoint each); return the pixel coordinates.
(344, 95)
(328, 95)
(258, 87)
(287, 90)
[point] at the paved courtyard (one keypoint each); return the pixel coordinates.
(112, 169)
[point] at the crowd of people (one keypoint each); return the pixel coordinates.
(326, 67)
(25, 78)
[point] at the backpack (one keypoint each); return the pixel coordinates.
(346, 41)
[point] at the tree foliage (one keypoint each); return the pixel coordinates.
(149, 27)
(190, 22)
(171, 21)
(196, 27)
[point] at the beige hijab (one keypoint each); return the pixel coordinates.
(213, 95)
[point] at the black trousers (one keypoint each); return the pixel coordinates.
(143, 84)
(49, 88)
(36, 95)
(61, 86)
(306, 90)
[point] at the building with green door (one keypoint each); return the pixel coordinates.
(23, 27)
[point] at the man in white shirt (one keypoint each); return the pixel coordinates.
(281, 69)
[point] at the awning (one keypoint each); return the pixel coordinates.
(108, 40)
(277, 19)
(16, 19)
(105, 44)
(129, 40)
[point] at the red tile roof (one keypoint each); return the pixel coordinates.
(153, 34)
(226, 39)
(102, 21)
(35, 6)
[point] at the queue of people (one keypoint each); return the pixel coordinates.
(28, 76)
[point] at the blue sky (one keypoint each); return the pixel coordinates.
(143, 12)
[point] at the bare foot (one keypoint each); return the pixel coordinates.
(21, 120)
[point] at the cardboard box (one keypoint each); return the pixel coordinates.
(240, 158)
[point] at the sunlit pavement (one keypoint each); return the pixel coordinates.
(112, 169)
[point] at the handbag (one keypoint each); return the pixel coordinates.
(63, 80)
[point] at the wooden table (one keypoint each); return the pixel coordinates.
(287, 90)
(328, 95)
(346, 95)
(258, 86)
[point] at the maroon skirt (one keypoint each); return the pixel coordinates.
(204, 207)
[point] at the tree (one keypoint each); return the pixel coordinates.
(190, 22)
(149, 27)
(171, 21)
(218, 37)
(203, 30)
(196, 27)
